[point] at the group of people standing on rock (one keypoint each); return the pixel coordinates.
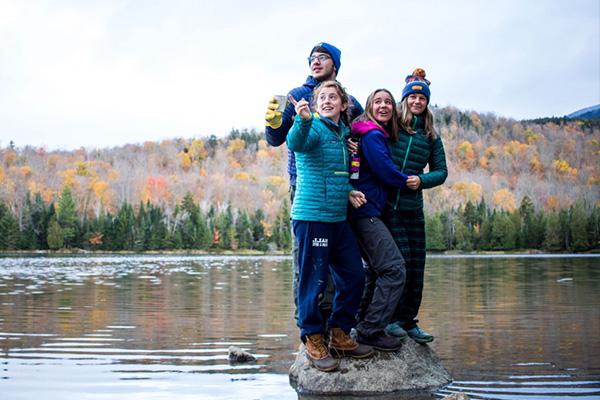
(361, 266)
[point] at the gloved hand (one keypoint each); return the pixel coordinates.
(273, 117)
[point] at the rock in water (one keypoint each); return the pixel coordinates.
(238, 355)
(414, 368)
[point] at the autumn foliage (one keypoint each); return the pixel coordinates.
(494, 160)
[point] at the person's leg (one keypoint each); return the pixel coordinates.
(294, 258)
(416, 241)
(313, 268)
(416, 237)
(387, 264)
(348, 276)
(394, 220)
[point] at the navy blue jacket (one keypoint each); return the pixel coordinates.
(377, 169)
(276, 137)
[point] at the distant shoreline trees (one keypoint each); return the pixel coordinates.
(535, 184)
(142, 228)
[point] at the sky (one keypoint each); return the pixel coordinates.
(104, 73)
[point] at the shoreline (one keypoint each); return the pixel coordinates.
(254, 253)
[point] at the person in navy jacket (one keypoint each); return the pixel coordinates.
(385, 273)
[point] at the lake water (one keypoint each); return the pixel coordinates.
(158, 327)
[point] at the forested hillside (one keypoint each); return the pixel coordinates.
(511, 185)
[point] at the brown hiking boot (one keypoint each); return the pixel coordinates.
(318, 355)
(342, 345)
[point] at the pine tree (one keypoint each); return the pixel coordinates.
(282, 234)
(462, 236)
(553, 235)
(67, 217)
(40, 215)
(258, 231)
(578, 226)
(244, 230)
(28, 239)
(434, 231)
(55, 234)
(9, 229)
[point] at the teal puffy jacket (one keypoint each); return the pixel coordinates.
(411, 153)
(322, 184)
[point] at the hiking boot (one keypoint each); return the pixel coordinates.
(419, 335)
(318, 355)
(394, 329)
(381, 341)
(342, 345)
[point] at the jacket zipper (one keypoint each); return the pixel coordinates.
(410, 139)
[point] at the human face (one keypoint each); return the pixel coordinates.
(382, 107)
(329, 104)
(417, 103)
(322, 70)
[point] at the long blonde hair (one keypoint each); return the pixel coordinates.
(405, 120)
(392, 126)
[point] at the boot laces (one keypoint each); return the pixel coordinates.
(316, 342)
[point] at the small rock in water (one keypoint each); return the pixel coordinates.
(456, 396)
(238, 355)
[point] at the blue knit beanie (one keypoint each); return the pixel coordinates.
(333, 51)
(416, 83)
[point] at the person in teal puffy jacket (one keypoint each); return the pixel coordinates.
(418, 146)
(325, 240)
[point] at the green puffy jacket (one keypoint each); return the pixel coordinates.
(322, 184)
(411, 153)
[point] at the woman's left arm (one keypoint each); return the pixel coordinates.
(438, 172)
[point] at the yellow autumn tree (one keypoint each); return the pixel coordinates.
(466, 154)
(468, 191)
(504, 199)
(562, 167)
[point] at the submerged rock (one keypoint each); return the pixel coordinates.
(415, 369)
(238, 355)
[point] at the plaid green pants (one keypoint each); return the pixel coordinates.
(408, 229)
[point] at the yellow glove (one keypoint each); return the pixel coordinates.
(273, 117)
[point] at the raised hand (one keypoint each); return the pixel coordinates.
(272, 116)
(301, 106)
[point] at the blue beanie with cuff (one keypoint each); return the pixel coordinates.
(333, 51)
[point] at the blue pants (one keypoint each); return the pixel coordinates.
(325, 248)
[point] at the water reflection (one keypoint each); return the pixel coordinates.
(160, 326)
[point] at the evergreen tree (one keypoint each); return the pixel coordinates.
(594, 228)
(553, 235)
(55, 234)
(463, 239)
(124, 228)
(244, 230)
(564, 222)
(159, 237)
(40, 215)
(9, 229)
(67, 217)
(28, 239)
(526, 212)
(226, 229)
(282, 234)
(503, 232)
(578, 227)
(434, 231)
(258, 230)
